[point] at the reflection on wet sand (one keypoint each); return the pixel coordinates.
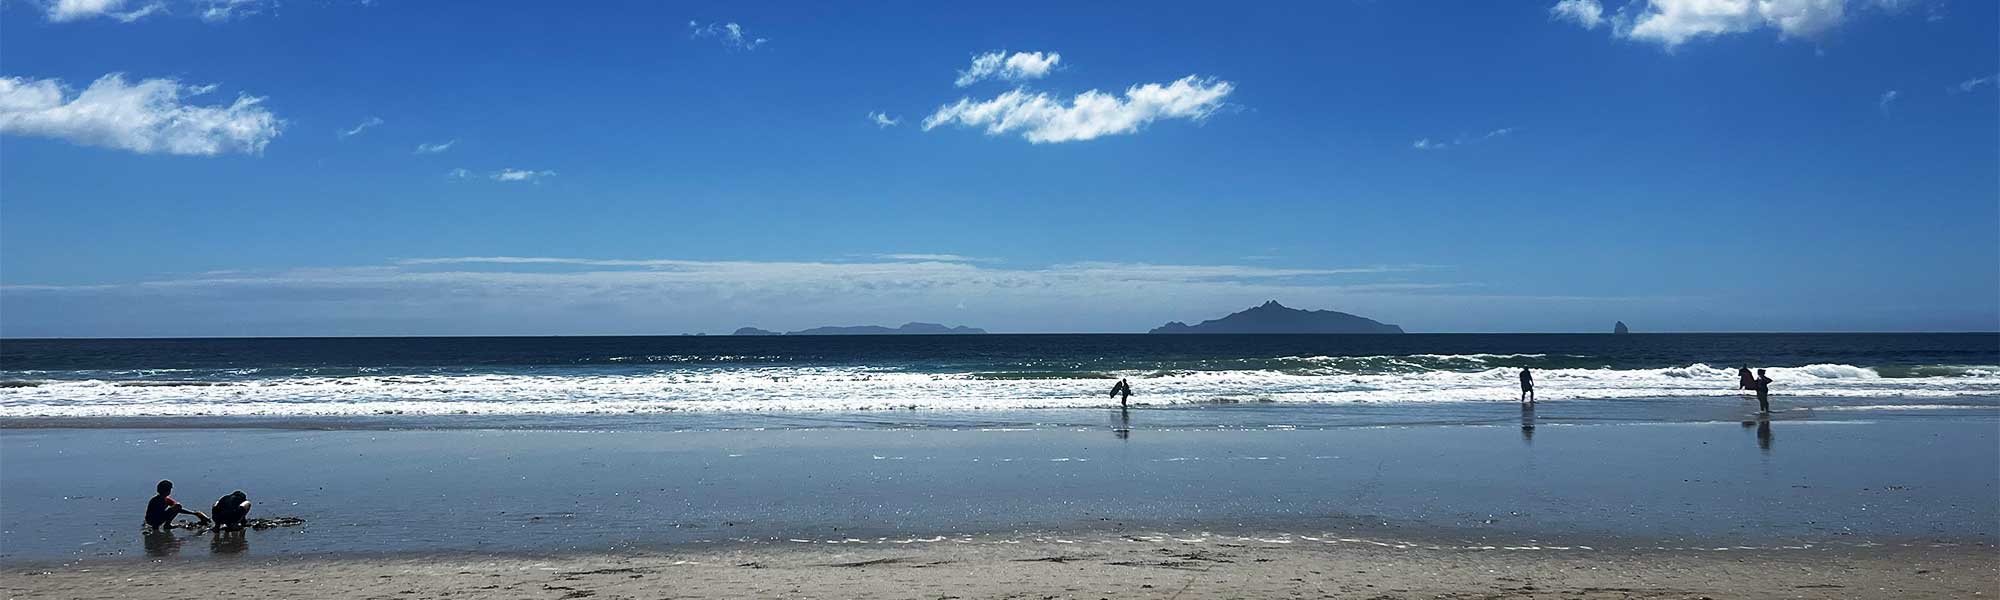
(229, 542)
(1123, 427)
(1763, 433)
(1528, 423)
(162, 543)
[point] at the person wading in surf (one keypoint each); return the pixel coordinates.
(1123, 392)
(1527, 386)
(1763, 392)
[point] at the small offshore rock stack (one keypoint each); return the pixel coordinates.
(1620, 328)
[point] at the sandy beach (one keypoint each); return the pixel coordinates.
(1081, 568)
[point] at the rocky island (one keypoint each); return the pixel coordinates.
(905, 329)
(1272, 317)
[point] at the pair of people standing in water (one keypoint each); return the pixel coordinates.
(1760, 384)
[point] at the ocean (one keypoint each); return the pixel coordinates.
(632, 443)
(975, 380)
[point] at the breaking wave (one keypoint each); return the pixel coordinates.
(748, 388)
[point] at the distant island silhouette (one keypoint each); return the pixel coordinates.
(1272, 317)
(905, 329)
(1620, 328)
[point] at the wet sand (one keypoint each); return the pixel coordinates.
(1083, 568)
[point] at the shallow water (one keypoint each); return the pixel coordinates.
(78, 493)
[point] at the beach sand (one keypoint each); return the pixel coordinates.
(1103, 568)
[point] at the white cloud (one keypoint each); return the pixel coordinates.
(1016, 67)
(1587, 13)
(731, 34)
(435, 148)
(148, 117)
(365, 124)
(1888, 97)
(1970, 85)
(528, 175)
(460, 173)
(1044, 119)
(883, 120)
(218, 11)
(1426, 144)
(1671, 23)
(77, 10)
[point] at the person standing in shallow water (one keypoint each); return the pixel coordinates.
(1763, 387)
(1123, 392)
(1527, 386)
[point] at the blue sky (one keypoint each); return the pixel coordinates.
(250, 167)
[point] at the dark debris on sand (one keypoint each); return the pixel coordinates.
(263, 524)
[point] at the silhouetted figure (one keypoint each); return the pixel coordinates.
(1763, 387)
(1123, 392)
(1527, 386)
(1528, 423)
(1744, 380)
(231, 511)
(162, 509)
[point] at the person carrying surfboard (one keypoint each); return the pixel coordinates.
(1527, 386)
(1122, 391)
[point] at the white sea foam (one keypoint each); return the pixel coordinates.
(776, 388)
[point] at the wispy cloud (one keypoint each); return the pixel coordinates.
(730, 34)
(435, 148)
(1887, 98)
(127, 11)
(365, 125)
(76, 10)
(1015, 67)
(218, 11)
(1971, 85)
(460, 173)
(528, 175)
(1041, 118)
(883, 120)
(1430, 144)
(1586, 13)
(149, 117)
(928, 257)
